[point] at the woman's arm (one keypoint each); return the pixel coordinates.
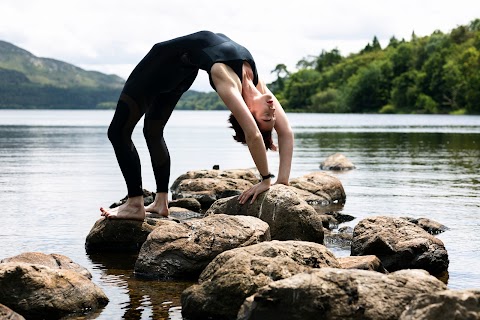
(285, 138)
(229, 89)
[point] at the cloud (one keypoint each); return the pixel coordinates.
(111, 36)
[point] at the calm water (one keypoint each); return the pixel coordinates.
(57, 168)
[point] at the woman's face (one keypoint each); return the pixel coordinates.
(263, 110)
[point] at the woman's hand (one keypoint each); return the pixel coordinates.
(254, 191)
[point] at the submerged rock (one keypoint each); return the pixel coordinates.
(399, 244)
(236, 274)
(328, 293)
(289, 217)
(182, 250)
(337, 162)
(428, 225)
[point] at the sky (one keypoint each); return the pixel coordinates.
(112, 36)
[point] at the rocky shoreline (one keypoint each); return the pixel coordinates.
(265, 260)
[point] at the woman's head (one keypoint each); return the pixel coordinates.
(240, 135)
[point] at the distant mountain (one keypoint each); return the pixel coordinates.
(45, 71)
(30, 82)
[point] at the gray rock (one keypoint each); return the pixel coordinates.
(236, 274)
(182, 250)
(399, 244)
(53, 260)
(37, 291)
(289, 217)
(337, 162)
(328, 293)
(444, 305)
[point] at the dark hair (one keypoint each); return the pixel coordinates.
(240, 135)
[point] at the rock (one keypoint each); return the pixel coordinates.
(182, 250)
(243, 174)
(37, 291)
(399, 244)
(208, 190)
(8, 314)
(289, 217)
(54, 261)
(338, 239)
(371, 263)
(108, 235)
(187, 203)
(180, 214)
(148, 198)
(444, 305)
(337, 162)
(236, 274)
(428, 225)
(323, 185)
(328, 293)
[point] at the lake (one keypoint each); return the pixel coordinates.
(57, 168)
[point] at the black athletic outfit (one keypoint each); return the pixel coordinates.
(154, 88)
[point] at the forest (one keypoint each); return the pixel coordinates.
(436, 74)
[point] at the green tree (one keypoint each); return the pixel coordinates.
(299, 88)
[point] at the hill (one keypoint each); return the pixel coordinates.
(28, 81)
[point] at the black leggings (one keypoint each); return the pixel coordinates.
(157, 111)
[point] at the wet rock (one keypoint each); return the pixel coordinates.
(8, 314)
(328, 293)
(337, 162)
(289, 217)
(109, 235)
(182, 250)
(428, 225)
(399, 244)
(40, 292)
(322, 185)
(187, 203)
(148, 198)
(371, 263)
(341, 239)
(444, 305)
(53, 260)
(236, 274)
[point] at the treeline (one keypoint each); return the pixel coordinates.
(439, 73)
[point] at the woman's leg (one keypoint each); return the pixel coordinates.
(156, 118)
(126, 116)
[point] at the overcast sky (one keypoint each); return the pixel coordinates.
(112, 36)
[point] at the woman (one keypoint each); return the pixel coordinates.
(154, 88)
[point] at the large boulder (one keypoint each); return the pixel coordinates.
(109, 235)
(40, 292)
(337, 162)
(328, 293)
(53, 260)
(207, 186)
(183, 250)
(236, 274)
(399, 244)
(444, 305)
(289, 217)
(327, 189)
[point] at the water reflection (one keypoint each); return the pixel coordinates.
(146, 299)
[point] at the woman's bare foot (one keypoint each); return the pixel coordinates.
(159, 205)
(133, 209)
